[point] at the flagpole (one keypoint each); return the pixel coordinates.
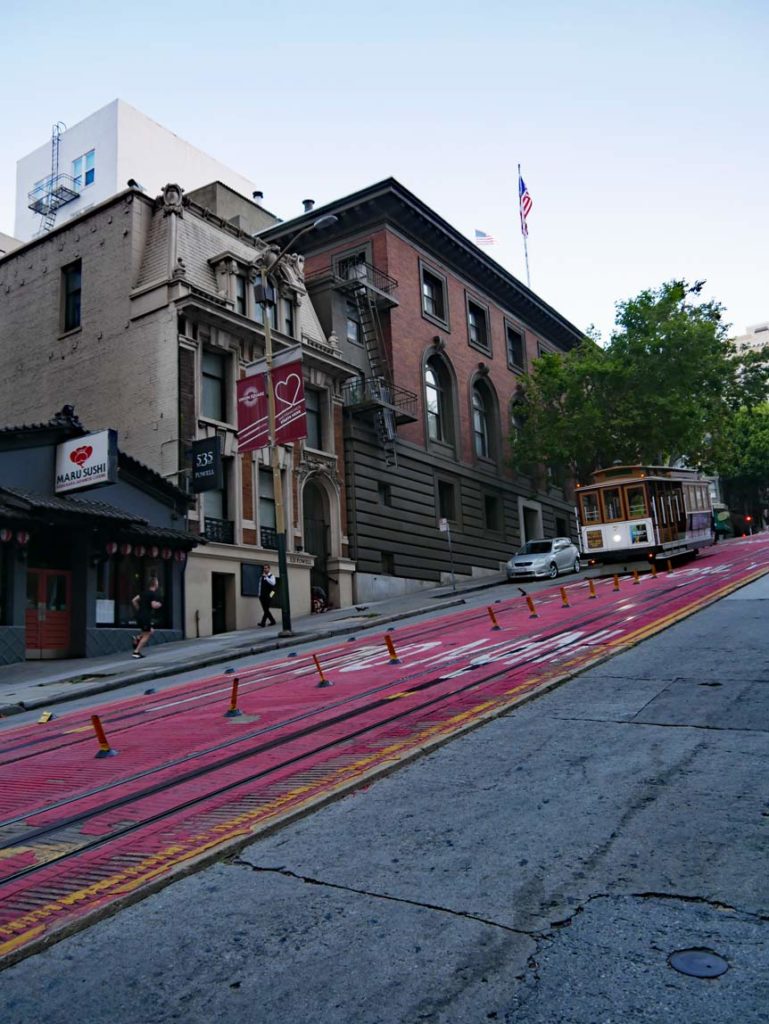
(524, 232)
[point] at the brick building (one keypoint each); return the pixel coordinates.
(141, 313)
(439, 334)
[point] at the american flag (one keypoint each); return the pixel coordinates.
(481, 238)
(525, 204)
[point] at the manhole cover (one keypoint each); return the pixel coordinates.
(698, 963)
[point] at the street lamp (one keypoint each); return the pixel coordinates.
(266, 299)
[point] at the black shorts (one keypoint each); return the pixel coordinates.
(145, 625)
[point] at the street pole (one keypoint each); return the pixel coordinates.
(277, 482)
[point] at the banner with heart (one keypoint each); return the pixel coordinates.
(290, 410)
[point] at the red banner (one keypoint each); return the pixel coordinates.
(290, 413)
(253, 422)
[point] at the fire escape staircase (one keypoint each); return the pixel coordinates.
(368, 289)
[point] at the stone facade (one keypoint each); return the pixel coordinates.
(166, 325)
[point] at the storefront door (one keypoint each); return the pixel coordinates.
(48, 613)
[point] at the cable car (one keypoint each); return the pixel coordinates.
(652, 512)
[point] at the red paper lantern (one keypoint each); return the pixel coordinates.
(125, 549)
(22, 537)
(139, 550)
(166, 553)
(154, 551)
(180, 556)
(5, 535)
(110, 547)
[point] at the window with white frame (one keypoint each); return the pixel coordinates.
(84, 169)
(241, 301)
(312, 401)
(213, 403)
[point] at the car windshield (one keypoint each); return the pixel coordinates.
(536, 547)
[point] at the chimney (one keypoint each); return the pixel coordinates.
(308, 204)
(257, 196)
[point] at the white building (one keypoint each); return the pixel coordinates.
(754, 338)
(96, 158)
(8, 244)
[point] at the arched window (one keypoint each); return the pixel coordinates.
(438, 401)
(481, 423)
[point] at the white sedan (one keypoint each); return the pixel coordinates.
(544, 558)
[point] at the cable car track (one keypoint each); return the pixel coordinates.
(143, 716)
(336, 744)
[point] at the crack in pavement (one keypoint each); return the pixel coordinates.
(286, 873)
(565, 922)
(658, 725)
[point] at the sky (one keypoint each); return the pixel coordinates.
(641, 127)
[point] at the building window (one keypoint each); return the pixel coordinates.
(561, 527)
(272, 314)
(433, 295)
(120, 578)
(447, 500)
(478, 326)
(388, 563)
(71, 279)
(187, 328)
(3, 587)
(214, 396)
(84, 169)
(241, 285)
(288, 317)
(267, 517)
(354, 332)
(438, 401)
(514, 348)
(314, 419)
(480, 424)
(492, 512)
(385, 493)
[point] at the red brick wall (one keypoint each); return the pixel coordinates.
(412, 334)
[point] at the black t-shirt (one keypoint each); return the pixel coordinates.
(145, 609)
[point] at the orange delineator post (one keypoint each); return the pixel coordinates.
(591, 585)
(654, 570)
(532, 609)
(394, 659)
(105, 750)
(670, 566)
(234, 712)
(616, 583)
(492, 616)
(564, 598)
(323, 681)
(636, 577)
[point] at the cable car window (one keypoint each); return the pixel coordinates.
(636, 502)
(590, 512)
(612, 504)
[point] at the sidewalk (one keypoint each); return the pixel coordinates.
(29, 685)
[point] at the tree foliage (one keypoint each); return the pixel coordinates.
(665, 387)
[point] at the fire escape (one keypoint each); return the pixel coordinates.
(375, 397)
(54, 191)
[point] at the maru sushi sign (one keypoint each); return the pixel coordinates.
(87, 461)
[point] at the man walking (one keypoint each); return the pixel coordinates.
(144, 605)
(266, 592)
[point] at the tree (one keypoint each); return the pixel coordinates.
(665, 387)
(746, 479)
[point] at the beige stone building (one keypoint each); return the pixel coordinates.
(141, 313)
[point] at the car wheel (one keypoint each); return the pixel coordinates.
(552, 572)
(577, 565)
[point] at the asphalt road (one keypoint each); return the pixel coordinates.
(540, 869)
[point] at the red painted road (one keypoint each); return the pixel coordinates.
(78, 834)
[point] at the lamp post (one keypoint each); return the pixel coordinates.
(267, 299)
